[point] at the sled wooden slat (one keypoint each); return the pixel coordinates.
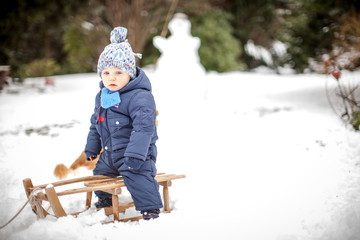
(28, 190)
(75, 180)
(55, 202)
(102, 187)
(122, 208)
(131, 219)
(91, 184)
(166, 186)
(106, 180)
(88, 199)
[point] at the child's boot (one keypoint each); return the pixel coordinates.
(103, 202)
(150, 214)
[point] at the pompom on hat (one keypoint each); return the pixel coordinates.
(118, 54)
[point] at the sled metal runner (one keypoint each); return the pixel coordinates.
(91, 184)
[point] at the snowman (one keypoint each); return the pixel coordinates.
(180, 50)
(179, 66)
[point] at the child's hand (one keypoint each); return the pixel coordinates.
(91, 158)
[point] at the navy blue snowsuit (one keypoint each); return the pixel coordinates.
(127, 132)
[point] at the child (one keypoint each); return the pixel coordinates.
(123, 125)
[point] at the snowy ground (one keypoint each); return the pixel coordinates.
(265, 158)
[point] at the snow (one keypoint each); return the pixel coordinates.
(264, 155)
(258, 52)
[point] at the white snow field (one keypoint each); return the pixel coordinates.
(264, 155)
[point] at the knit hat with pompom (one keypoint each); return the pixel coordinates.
(118, 53)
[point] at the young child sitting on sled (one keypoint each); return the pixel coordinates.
(123, 125)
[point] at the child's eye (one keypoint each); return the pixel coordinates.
(118, 72)
(105, 73)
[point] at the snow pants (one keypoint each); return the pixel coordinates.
(141, 184)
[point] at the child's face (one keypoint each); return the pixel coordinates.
(114, 78)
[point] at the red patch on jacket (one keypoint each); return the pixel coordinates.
(101, 119)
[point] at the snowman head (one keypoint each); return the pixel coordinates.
(180, 25)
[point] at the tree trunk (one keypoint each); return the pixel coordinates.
(138, 16)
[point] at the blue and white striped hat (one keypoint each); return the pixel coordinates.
(118, 53)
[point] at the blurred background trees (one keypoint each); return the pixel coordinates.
(310, 29)
(69, 35)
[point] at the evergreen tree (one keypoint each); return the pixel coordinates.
(309, 27)
(219, 49)
(83, 43)
(33, 29)
(254, 20)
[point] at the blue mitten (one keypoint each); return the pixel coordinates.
(134, 163)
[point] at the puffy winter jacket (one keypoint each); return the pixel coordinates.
(126, 129)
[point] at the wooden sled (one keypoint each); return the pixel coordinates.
(91, 183)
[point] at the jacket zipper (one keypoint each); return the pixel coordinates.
(111, 162)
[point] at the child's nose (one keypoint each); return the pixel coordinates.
(112, 77)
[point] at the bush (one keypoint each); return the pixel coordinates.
(355, 120)
(219, 49)
(83, 43)
(40, 68)
(77, 48)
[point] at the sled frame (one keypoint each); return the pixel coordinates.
(91, 184)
